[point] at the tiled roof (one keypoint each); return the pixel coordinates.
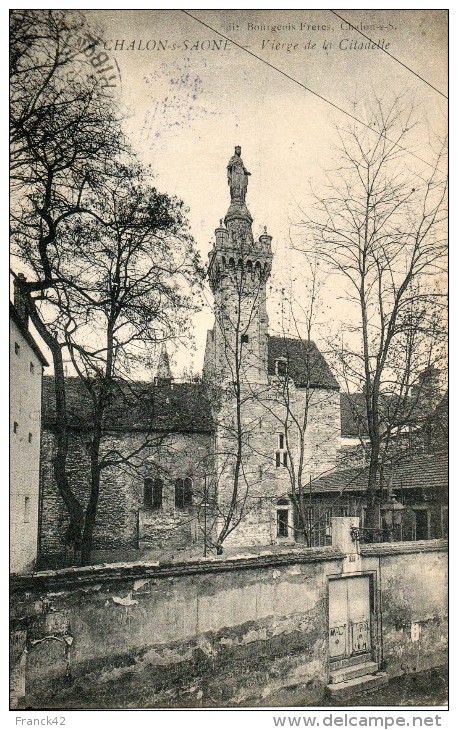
(410, 413)
(305, 362)
(424, 471)
(142, 406)
(353, 415)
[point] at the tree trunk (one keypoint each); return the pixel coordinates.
(373, 507)
(59, 461)
(91, 509)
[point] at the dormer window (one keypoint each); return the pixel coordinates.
(281, 367)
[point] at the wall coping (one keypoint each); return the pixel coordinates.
(398, 548)
(76, 576)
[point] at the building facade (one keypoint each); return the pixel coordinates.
(219, 462)
(26, 371)
(277, 423)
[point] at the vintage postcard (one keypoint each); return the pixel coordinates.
(228, 360)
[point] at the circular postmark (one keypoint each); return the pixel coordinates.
(104, 66)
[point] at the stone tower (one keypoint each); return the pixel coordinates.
(238, 271)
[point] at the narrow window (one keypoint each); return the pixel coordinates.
(27, 509)
(152, 493)
(30, 438)
(281, 456)
(148, 493)
(282, 523)
(17, 348)
(32, 368)
(15, 427)
(244, 339)
(157, 494)
(183, 493)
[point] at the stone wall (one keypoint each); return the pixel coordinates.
(122, 516)
(263, 416)
(124, 525)
(222, 632)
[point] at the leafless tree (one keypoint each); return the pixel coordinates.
(233, 396)
(75, 238)
(64, 135)
(133, 286)
(379, 224)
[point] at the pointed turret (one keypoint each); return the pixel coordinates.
(238, 271)
(163, 373)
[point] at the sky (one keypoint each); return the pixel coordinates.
(190, 95)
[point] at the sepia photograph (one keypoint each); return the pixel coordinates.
(228, 318)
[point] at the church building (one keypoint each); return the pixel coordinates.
(223, 462)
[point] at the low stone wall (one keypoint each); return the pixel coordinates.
(211, 632)
(413, 580)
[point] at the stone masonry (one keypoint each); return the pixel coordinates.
(258, 392)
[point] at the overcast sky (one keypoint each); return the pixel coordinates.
(189, 104)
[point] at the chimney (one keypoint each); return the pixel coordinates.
(20, 301)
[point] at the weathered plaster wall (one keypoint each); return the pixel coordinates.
(25, 414)
(220, 632)
(227, 633)
(413, 592)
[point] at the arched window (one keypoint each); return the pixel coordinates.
(183, 493)
(152, 494)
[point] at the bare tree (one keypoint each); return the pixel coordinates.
(64, 136)
(240, 365)
(133, 285)
(291, 412)
(69, 160)
(379, 225)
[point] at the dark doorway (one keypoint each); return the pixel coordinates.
(421, 518)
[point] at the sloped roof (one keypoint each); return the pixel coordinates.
(24, 330)
(305, 362)
(353, 415)
(424, 471)
(142, 406)
(409, 412)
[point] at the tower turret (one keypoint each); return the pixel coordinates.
(163, 373)
(239, 268)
